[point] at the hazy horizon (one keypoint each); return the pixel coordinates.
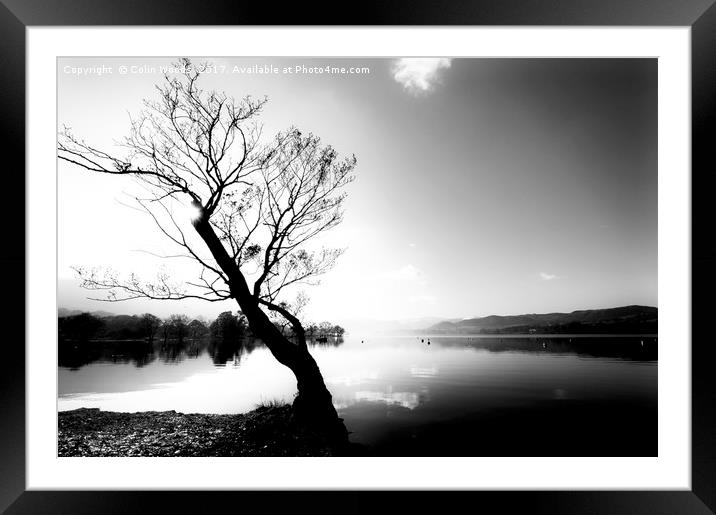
(112, 308)
(484, 186)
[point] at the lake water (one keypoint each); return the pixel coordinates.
(477, 395)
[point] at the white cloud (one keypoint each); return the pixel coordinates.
(547, 277)
(419, 75)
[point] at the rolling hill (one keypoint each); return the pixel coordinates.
(626, 320)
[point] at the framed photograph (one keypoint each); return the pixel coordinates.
(456, 251)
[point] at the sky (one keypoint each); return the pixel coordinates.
(483, 186)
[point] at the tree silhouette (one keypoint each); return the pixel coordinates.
(165, 329)
(255, 209)
(226, 327)
(179, 326)
(80, 327)
(197, 329)
(150, 325)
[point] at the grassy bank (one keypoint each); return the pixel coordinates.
(266, 431)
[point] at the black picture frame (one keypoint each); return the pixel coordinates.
(17, 15)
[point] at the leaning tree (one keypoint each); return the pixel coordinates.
(257, 207)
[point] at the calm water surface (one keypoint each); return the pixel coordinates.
(456, 396)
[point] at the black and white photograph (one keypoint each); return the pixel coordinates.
(377, 257)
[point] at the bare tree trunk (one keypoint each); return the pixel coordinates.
(314, 405)
(314, 402)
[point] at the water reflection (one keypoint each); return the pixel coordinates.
(391, 390)
(224, 352)
(423, 371)
(408, 400)
(75, 354)
(640, 348)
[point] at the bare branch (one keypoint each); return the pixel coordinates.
(120, 289)
(258, 205)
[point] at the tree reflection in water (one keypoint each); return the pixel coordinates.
(76, 354)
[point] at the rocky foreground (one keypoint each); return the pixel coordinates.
(266, 431)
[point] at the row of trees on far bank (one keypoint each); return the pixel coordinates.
(324, 329)
(228, 326)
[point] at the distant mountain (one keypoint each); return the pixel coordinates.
(65, 312)
(626, 320)
(390, 327)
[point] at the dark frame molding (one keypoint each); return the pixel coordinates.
(700, 15)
